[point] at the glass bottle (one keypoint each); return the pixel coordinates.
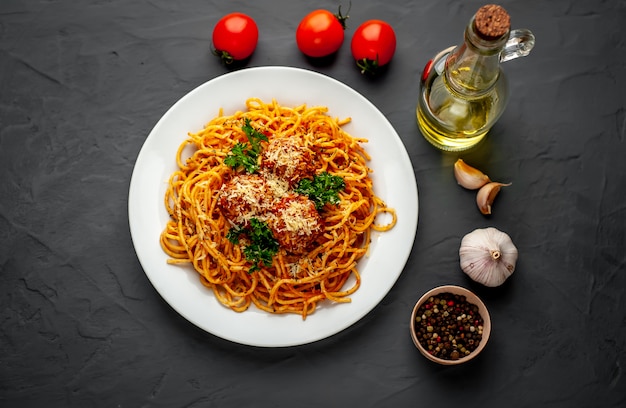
(463, 90)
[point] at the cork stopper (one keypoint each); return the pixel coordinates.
(492, 21)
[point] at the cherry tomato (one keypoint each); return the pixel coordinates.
(373, 45)
(235, 37)
(320, 33)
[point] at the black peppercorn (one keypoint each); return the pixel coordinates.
(456, 330)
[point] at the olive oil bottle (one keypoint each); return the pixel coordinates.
(463, 90)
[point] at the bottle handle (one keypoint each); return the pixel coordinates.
(520, 42)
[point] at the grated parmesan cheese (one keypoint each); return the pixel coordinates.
(297, 218)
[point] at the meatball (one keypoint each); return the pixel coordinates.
(243, 197)
(295, 223)
(288, 159)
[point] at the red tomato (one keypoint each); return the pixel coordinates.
(373, 45)
(235, 37)
(320, 33)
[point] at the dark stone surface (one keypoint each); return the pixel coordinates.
(83, 82)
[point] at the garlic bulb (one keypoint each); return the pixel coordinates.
(469, 177)
(488, 256)
(487, 194)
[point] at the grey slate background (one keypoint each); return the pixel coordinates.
(82, 83)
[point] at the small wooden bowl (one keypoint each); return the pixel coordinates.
(470, 298)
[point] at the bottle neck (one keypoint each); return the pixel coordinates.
(473, 68)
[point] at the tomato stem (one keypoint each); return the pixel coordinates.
(342, 19)
(224, 56)
(368, 66)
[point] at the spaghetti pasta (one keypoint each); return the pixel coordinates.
(318, 247)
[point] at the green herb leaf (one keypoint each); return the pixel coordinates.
(233, 234)
(243, 155)
(254, 136)
(239, 157)
(263, 246)
(324, 188)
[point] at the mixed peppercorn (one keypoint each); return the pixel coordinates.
(448, 326)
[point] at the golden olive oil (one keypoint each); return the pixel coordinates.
(453, 120)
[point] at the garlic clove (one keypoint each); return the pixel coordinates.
(468, 176)
(487, 194)
(488, 256)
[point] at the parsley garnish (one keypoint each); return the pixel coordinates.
(234, 233)
(263, 245)
(244, 155)
(324, 188)
(254, 136)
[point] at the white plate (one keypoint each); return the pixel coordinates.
(394, 182)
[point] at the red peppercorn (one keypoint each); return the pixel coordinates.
(453, 326)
